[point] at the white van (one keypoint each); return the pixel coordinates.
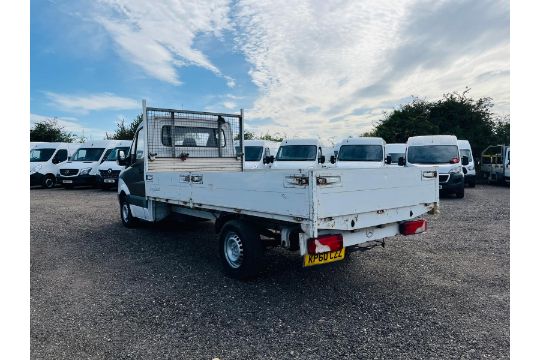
(256, 151)
(363, 152)
(45, 159)
(394, 152)
(298, 154)
(441, 151)
(468, 170)
(82, 168)
(109, 169)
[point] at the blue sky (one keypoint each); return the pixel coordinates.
(315, 68)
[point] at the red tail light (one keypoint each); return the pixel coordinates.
(325, 243)
(413, 227)
(454, 161)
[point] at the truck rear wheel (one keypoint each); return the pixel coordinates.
(240, 249)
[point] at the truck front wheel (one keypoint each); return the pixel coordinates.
(240, 249)
(125, 214)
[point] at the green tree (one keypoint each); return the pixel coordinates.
(502, 131)
(48, 130)
(275, 137)
(455, 114)
(123, 131)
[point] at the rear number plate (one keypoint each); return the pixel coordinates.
(109, 181)
(324, 258)
(67, 181)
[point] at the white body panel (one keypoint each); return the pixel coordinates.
(359, 199)
(435, 140)
(304, 164)
(465, 146)
(112, 164)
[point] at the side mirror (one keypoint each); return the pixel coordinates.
(322, 159)
(121, 158)
(69, 158)
(388, 159)
(55, 160)
(268, 159)
(465, 160)
(332, 159)
(401, 161)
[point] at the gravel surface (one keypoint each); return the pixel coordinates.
(99, 290)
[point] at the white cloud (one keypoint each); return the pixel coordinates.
(230, 105)
(159, 36)
(318, 61)
(72, 125)
(91, 102)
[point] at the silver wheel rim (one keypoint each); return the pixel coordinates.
(125, 212)
(234, 250)
(48, 182)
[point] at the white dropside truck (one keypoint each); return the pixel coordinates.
(298, 154)
(363, 152)
(108, 170)
(468, 170)
(45, 159)
(394, 152)
(256, 153)
(495, 164)
(185, 162)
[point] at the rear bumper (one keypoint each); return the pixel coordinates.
(77, 180)
(36, 179)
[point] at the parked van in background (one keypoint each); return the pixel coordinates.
(441, 151)
(468, 170)
(82, 168)
(256, 151)
(298, 154)
(395, 151)
(45, 158)
(495, 164)
(109, 169)
(363, 152)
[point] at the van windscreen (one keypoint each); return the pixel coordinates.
(395, 157)
(40, 155)
(87, 154)
(360, 153)
(432, 154)
(466, 152)
(297, 153)
(253, 153)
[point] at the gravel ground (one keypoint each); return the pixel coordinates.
(99, 290)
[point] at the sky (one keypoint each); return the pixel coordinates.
(326, 69)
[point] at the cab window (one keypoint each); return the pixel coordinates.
(61, 155)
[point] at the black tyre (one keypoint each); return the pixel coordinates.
(240, 250)
(461, 192)
(48, 182)
(125, 214)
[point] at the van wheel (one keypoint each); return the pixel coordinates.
(125, 214)
(240, 249)
(48, 182)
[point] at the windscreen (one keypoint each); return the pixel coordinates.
(253, 153)
(87, 154)
(113, 155)
(360, 153)
(40, 155)
(396, 156)
(433, 154)
(297, 153)
(467, 153)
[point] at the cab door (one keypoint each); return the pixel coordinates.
(133, 176)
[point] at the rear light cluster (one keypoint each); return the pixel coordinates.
(325, 243)
(413, 227)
